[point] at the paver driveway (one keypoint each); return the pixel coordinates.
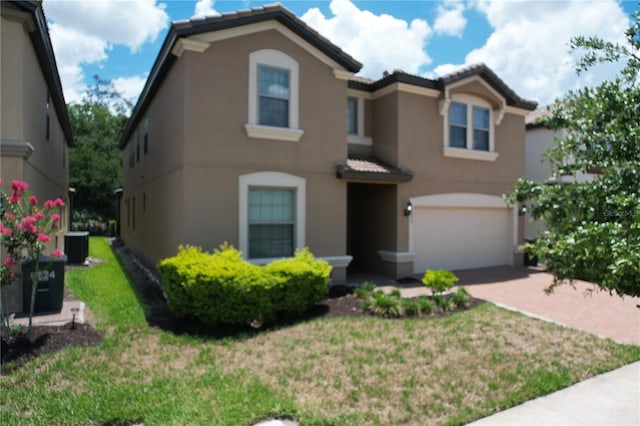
(523, 289)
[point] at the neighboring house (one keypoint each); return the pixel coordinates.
(539, 140)
(35, 132)
(252, 129)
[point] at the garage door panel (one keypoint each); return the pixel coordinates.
(461, 238)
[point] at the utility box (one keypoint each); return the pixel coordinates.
(76, 246)
(50, 288)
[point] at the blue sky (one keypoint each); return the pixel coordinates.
(524, 42)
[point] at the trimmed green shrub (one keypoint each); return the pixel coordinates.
(222, 288)
(439, 280)
(426, 305)
(410, 307)
(461, 298)
(385, 305)
(364, 290)
(443, 302)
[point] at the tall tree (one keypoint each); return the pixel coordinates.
(593, 228)
(95, 164)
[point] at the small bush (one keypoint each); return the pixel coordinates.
(364, 290)
(442, 302)
(385, 305)
(410, 307)
(439, 280)
(461, 298)
(425, 305)
(222, 288)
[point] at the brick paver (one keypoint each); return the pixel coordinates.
(523, 289)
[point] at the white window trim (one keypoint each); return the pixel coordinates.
(359, 138)
(270, 180)
(469, 153)
(273, 58)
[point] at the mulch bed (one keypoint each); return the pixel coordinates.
(46, 340)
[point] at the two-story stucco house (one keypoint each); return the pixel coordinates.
(35, 131)
(252, 129)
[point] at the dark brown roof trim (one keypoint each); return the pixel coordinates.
(46, 58)
(386, 173)
(179, 29)
(481, 70)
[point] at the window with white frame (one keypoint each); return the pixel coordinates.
(469, 128)
(273, 90)
(271, 222)
(271, 215)
(273, 96)
(352, 115)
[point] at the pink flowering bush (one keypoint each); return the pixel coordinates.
(25, 229)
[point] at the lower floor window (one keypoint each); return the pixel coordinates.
(271, 222)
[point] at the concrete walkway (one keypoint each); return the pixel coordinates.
(608, 399)
(65, 316)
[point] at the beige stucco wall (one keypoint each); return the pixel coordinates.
(204, 148)
(22, 120)
(408, 133)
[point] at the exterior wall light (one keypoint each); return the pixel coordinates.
(408, 209)
(522, 210)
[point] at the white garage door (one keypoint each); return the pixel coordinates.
(461, 237)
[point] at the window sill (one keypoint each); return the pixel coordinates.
(470, 154)
(274, 133)
(360, 140)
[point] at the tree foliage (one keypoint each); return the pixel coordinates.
(593, 227)
(95, 166)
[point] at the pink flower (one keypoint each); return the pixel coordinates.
(55, 218)
(49, 204)
(19, 186)
(9, 262)
(58, 202)
(14, 198)
(33, 200)
(44, 238)
(38, 216)
(56, 253)
(5, 231)
(0, 181)
(10, 216)
(28, 224)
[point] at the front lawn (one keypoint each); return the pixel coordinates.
(343, 371)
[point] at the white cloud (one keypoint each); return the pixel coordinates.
(529, 47)
(83, 32)
(204, 8)
(130, 87)
(450, 19)
(380, 42)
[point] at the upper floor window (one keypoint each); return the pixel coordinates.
(137, 146)
(47, 122)
(352, 115)
(469, 129)
(132, 158)
(146, 134)
(273, 96)
(273, 86)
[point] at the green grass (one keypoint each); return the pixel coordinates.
(106, 289)
(343, 371)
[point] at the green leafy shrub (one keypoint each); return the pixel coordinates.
(364, 290)
(443, 302)
(222, 288)
(461, 298)
(439, 280)
(410, 307)
(425, 305)
(385, 305)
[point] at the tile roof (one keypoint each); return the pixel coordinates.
(186, 28)
(371, 169)
(398, 76)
